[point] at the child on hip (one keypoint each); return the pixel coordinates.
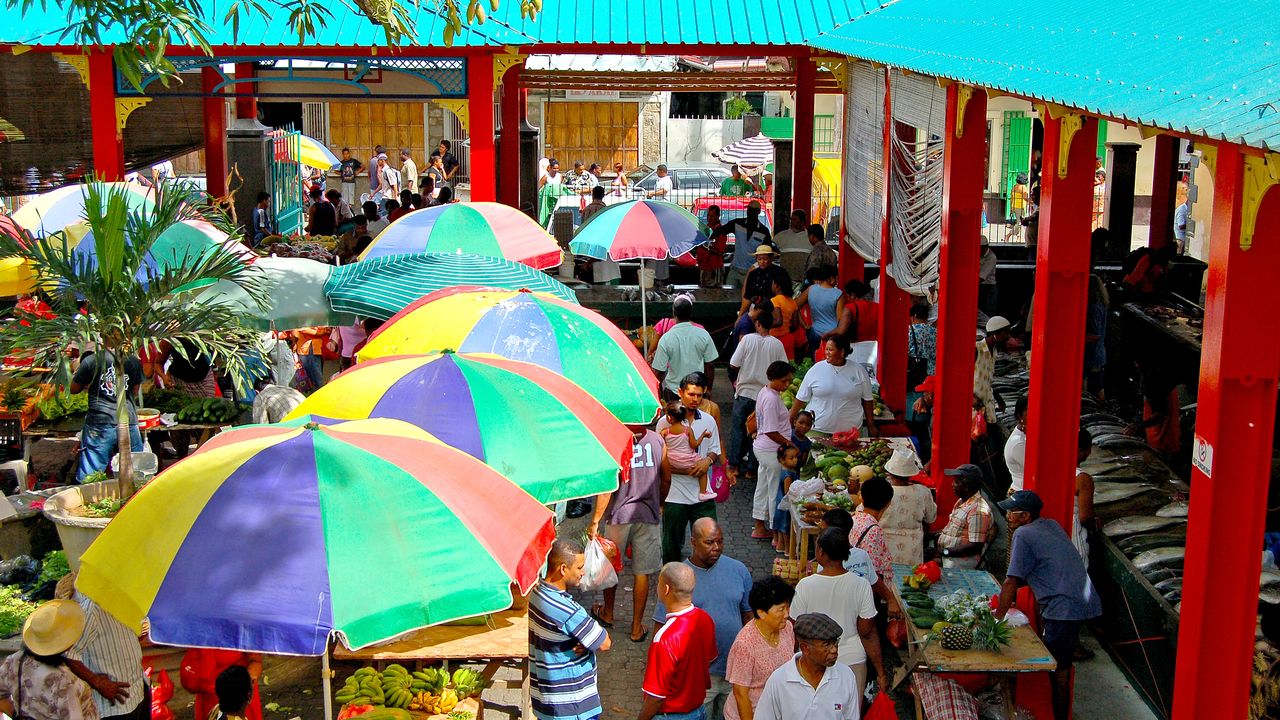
(682, 446)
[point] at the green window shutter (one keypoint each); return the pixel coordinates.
(1102, 140)
(1017, 148)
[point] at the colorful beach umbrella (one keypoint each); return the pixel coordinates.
(276, 537)
(52, 211)
(568, 339)
(639, 229)
(313, 153)
(295, 290)
(183, 243)
(16, 276)
(543, 432)
(382, 287)
(480, 228)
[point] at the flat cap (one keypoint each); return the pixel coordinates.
(817, 626)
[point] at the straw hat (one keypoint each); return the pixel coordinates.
(902, 464)
(54, 627)
(763, 250)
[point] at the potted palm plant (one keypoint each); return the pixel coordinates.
(135, 289)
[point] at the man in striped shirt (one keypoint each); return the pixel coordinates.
(563, 641)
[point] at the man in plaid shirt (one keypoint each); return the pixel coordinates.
(970, 527)
(274, 402)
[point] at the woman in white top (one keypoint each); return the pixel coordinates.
(35, 682)
(553, 175)
(912, 508)
(837, 391)
(620, 181)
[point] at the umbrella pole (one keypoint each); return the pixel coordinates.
(327, 685)
(644, 315)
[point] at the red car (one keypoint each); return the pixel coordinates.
(730, 208)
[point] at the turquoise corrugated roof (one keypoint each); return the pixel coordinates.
(652, 22)
(1204, 68)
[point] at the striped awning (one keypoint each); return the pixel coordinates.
(752, 152)
(382, 287)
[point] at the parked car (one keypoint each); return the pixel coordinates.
(689, 181)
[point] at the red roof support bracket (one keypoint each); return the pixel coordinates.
(1233, 445)
(215, 134)
(108, 141)
(963, 160)
(1061, 292)
(483, 167)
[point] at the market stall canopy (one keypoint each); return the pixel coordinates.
(313, 153)
(480, 228)
(295, 291)
(546, 434)
(272, 538)
(16, 276)
(568, 339)
(382, 287)
(751, 153)
(639, 229)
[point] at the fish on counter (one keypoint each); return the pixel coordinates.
(1171, 557)
(1158, 574)
(1137, 524)
(1109, 492)
(1165, 586)
(1270, 596)
(1136, 544)
(1175, 509)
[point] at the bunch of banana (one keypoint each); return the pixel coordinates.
(362, 688)
(430, 679)
(448, 700)
(424, 701)
(468, 683)
(397, 686)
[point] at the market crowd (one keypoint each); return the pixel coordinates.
(729, 641)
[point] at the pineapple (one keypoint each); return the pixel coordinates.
(990, 633)
(957, 637)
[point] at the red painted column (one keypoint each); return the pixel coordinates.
(484, 184)
(215, 134)
(1235, 418)
(1164, 191)
(895, 305)
(108, 145)
(802, 144)
(246, 105)
(512, 102)
(1057, 344)
(963, 160)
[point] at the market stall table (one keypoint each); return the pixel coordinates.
(503, 640)
(1025, 652)
(803, 533)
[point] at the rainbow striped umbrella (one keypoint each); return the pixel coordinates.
(52, 211)
(569, 339)
(644, 229)
(537, 428)
(471, 228)
(276, 537)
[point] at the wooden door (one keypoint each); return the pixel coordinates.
(603, 132)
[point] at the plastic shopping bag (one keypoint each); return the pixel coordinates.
(611, 551)
(881, 709)
(598, 573)
(718, 482)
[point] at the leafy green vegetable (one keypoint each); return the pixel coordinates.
(104, 508)
(14, 610)
(54, 567)
(60, 405)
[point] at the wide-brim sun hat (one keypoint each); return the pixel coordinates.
(902, 464)
(53, 628)
(763, 250)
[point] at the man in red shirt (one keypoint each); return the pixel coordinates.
(678, 675)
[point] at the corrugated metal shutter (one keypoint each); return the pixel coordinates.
(864, 150)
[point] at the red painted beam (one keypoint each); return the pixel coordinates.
(802, 144)
(1061, 293)
(108, 145)
(483, 162)
(215, 134)
(1164, 191)
(963, 159)
(895, 305)
(509, 190)
(246, 105)
(1235, 417)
